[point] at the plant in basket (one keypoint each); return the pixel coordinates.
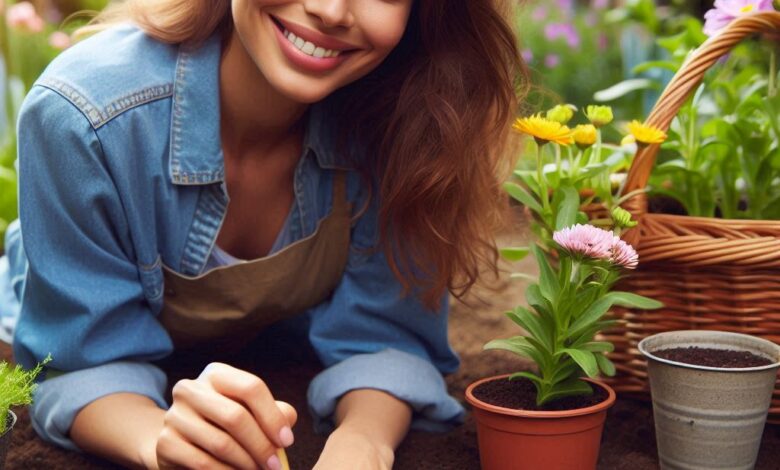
(552, 418)
(16, 389)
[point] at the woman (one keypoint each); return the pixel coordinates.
(215, 167)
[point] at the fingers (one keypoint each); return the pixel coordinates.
(255, 395)
(208, 437)
(288, 411)
(233, 419)
(174, 452)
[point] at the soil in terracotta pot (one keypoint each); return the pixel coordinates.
(708, 357)
(520, 394)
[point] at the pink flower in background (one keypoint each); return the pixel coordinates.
(528, 55)
(59, 40)
(567, 31)
(624, 254)
(552, 60)
(539, 13)
(22, 16)
(726, 11)
(599, 4)
(586, 240)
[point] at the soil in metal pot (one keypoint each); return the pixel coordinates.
(708, 357)
(520, 394)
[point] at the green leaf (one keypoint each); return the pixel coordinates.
(598, 308)
(548, 281)
(567, 370)
(629, 300)
(533, 325)
(523, 196)
(515, 253)
(623, 88)
(567, 211)
(598, 346)
(571, 387)
(584, 359)
(537, 381)
(655, 64)
(517, 345)
(606, 366)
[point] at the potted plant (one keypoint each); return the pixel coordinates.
(16, 388)
(711, 392)
(553, 418)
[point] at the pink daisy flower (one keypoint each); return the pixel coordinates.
(726, 11)
(624, 254)
(586, 240)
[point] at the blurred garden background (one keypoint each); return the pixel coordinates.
(616, 52)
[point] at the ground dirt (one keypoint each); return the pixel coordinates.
(628, 442)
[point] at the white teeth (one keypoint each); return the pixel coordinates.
(309, 48)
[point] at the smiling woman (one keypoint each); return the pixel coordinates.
(194, 171)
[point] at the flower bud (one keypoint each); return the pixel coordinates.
(622, 218)
(584, 135)
(561, 113)
(599, 116)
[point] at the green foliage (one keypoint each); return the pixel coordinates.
(722, 157)
(566, 311)
(16, 387)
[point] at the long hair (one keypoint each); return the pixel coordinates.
(436, 116)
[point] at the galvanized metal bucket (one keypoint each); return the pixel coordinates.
(707, 417)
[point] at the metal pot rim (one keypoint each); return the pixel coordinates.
(700, 334)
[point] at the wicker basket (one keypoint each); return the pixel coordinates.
(713, 274)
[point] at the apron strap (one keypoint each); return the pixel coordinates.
(340, 203)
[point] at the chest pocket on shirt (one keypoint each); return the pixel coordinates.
(152, 280)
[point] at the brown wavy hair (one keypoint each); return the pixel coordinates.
(436, 116)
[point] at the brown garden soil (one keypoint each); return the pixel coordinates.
(709, 357)
(520, 394)
(287, 366)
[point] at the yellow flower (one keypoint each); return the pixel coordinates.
(645, 134)
(561, 113)
(599, 115)
(584, 135)
(544, 130)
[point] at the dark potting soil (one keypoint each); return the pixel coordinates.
(520, 394)
(709, 357)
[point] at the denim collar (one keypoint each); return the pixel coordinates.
(196, 147)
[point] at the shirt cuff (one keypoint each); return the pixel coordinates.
(405, 376)
(57, 400)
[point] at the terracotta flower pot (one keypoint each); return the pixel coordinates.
(709, 417)
(512, 439)
(5, 438)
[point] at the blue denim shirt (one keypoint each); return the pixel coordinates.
(121, 169)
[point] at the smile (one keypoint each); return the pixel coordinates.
(310, 48)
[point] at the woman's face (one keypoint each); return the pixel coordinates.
(307, 49)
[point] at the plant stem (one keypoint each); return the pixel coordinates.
(542, 182)
(558, 161)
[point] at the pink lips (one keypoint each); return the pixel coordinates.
(305, 61)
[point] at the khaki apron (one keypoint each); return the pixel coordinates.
(228, 306)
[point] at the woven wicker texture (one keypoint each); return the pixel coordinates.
(713, 274)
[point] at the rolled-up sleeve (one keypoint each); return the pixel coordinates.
(370, 336)
(81, 300)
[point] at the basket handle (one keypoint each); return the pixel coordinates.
(687, 79)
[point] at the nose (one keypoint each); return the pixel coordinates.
(331, 13)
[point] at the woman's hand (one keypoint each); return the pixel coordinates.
(347, 448)
(227, 418)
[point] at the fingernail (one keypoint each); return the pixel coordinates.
(286, 436)
(274, 463)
